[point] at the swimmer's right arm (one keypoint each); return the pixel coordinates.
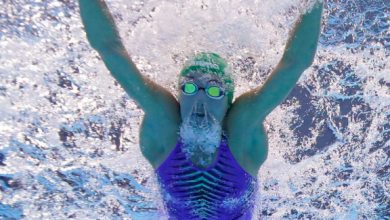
(104, 38)
(160, 106)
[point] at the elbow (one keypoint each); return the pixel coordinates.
(302, 62)
(301, 56)
(308, 63)
(104, 45)
(308, 57)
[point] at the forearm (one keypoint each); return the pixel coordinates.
(99, 25)
(302, 44)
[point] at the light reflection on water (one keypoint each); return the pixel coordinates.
(69, 143)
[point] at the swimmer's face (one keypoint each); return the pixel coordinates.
(200, 101)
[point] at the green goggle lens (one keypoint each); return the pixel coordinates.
(189, 88)
(214, 91)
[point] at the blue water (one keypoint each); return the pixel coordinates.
(69, 144)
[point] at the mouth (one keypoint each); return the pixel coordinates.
(199, 111)
(200, 114)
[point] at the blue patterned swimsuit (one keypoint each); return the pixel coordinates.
(223, 191)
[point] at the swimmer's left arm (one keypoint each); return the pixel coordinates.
(253, 106)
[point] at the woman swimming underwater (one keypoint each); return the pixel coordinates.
(206, 150)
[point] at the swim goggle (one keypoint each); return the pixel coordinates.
(212, 91)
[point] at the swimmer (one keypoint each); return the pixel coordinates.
(206, 149)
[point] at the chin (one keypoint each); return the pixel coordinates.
(201, 133)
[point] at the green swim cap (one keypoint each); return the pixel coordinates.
(214, 64)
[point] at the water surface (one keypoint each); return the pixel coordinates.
(69, 144)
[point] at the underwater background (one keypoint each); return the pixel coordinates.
(69, 146)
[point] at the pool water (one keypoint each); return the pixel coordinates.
(69, 146)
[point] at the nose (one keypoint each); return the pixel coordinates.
(201, 94)
(200, 98)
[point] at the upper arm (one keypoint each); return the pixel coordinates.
(150, 96)
(252, 107)
(158, 133)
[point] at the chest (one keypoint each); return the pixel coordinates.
(179, 174)
(223, 190)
